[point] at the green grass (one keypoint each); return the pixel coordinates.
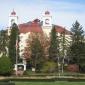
(51, 83)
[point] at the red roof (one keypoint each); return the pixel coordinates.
(30, 27)
(35, 26)
(61, 29)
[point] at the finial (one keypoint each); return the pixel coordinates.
(13, 12)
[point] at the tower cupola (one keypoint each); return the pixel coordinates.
(13, 18)
(13, 13)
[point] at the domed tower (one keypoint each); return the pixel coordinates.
(47, 22)
(13, 18)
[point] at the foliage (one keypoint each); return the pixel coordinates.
(3, 42)
(77, 51)
(12, 43)
(5, 65)
(54, 45)
(77, 32)
(44, 41)
(49, 66)
(64, 44)
(37, 57)
(77, 48)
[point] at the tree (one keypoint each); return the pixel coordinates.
(13, 42)
(5, 65)
(77, 32)
(37, 57)
(64, 44)
(78, 52)
(54, 45)
(3, 42)
(77, 48)
(44, 41)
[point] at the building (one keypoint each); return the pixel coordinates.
(36, 26)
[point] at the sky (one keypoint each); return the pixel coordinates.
(64, 12)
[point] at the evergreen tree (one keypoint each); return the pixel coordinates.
(77, 52)
(77, 48)
(37, 57)
(62, 42)
(54, 45)
(13, 42)
(77, 32)
(3, 42)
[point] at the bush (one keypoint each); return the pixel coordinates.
(73, 68)
(82, 68)
(49, 66)
(5, 65)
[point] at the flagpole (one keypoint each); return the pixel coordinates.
(16, 55)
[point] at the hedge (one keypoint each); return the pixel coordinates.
(7, 83)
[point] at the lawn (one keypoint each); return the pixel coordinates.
(50, 83)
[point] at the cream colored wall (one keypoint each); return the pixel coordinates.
(47, 30)
(23, 42)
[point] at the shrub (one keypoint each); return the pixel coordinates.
(73, 68)
(49, 66)
(5, 65)
(82, 68)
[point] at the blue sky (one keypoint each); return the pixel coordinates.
(64, 12)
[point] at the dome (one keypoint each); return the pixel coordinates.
(47, 12)
(13, 13)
